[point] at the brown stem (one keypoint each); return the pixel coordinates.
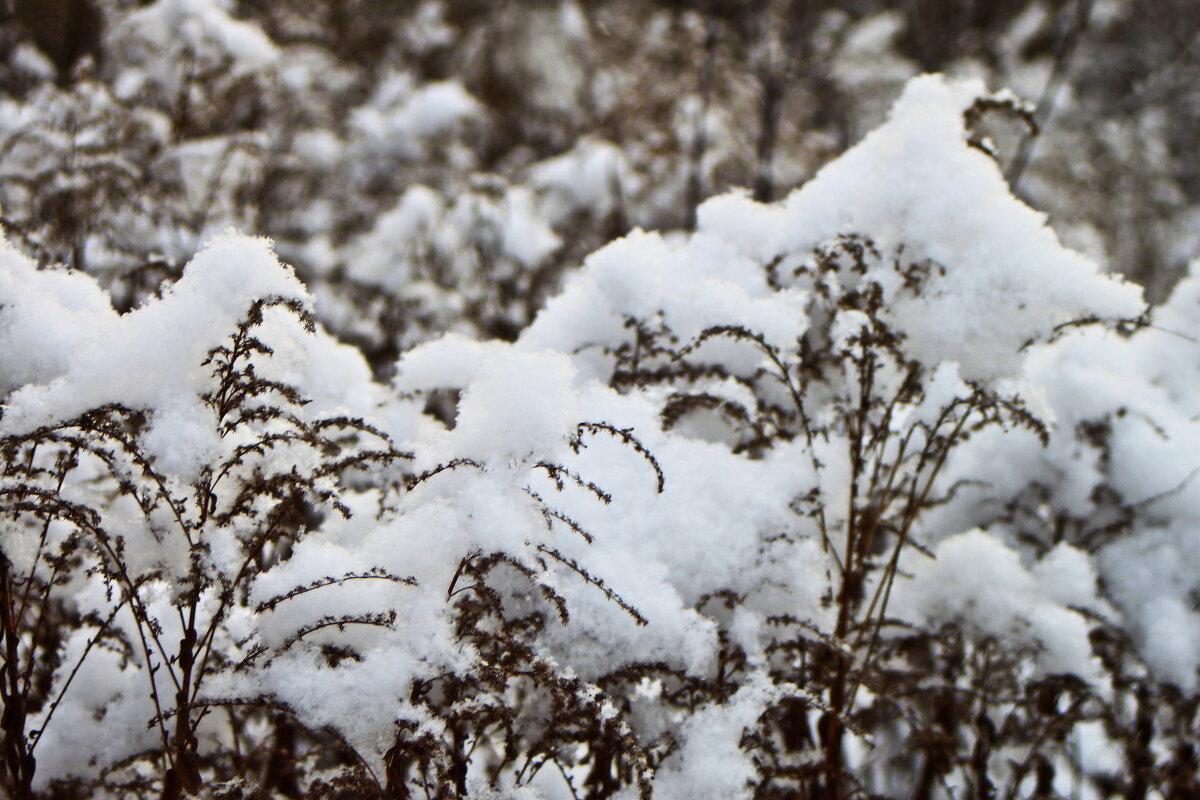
(699, 143)
(16, 762)
(772, 88)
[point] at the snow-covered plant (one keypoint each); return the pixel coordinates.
(1110, 498)
(65, 180)
(477, 264)
(802, 503)
(146, 516)
(858, 333)
(159, 580)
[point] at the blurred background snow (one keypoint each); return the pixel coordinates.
(443, 164)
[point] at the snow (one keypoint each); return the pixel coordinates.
(163, 343)
(425, 242)
(976, 580)
(669, 545)
(405, 117)
(202, 26)
(44, 316)
(1007, 279)
(590, 177)
(517, 406)
(710, 762)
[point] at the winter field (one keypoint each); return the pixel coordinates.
(599, 399)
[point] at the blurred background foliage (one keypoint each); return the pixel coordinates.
(443, 164)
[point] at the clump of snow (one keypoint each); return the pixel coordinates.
(693, 285)
(427, 243)
(977, 581)
(917, 191)
(591, 177)
(402, 116)
(710, 763)
(45, 316)
(516, 406)
(163, 343)
(202, 28)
